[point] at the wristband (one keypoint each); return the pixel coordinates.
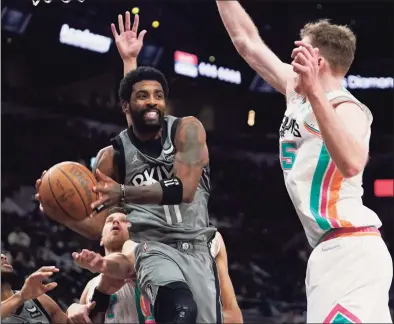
(122, 194)
(102, 302)
(172, 191)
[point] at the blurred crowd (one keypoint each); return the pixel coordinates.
(266, 246)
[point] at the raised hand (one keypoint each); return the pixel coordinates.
(306, 65)
(89, 260)
(128, 42)
(34, 287)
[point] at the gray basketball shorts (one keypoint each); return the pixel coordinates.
(158, 264)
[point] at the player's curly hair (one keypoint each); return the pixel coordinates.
(142, 73)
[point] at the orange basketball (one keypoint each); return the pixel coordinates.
(66, 192)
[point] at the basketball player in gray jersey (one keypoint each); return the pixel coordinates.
(160, 164)
(30, 304)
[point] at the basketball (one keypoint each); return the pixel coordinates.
(66, 192)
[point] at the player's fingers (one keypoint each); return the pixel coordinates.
(308, 47)
(50, 286)
(127, 22)
(102, 176)
(100, 204)
(37, 197)
(41, 208)
(75, 256)
(298, 68)
(136, 23)
(38, 184)
(301, 59)
(86, 319)
(141, 35)
(120, 24)
(49, 268)
(91, 306)
(114, 31)
(39, 276)
(96, 259)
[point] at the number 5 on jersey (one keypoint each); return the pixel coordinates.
(287, 154)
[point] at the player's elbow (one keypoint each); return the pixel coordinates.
(353, 168)
(243, 45)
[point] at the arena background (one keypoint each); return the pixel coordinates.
(59, 102)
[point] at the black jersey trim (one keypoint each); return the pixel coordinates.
(119, 157)
(42, 309)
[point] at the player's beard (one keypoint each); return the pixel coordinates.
(144, 126)
(10, 278)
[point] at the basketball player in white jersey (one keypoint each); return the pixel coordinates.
(324, 144)
(80, 313)
(125, 303)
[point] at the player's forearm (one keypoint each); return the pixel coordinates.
(91, 228)
(129, 65)
(347, 153)
(150, 194)
(118, 266)
(233, 315)
(11, 304)
(238, 24)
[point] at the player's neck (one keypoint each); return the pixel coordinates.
(331, 82)
(142, 136)
(6, 291)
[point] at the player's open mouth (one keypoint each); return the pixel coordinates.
(151, 114)
(115, 228)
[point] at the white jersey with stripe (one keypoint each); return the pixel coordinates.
(215, 245)
(122, 307)
(322, 198)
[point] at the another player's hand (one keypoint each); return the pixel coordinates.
(34, 286)
(109, 193)
(306, 65)
(78, 313)
(127, 42)
(89, 260)
(38, 184)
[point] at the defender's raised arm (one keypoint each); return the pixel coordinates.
(251, 47)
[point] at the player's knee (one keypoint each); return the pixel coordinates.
(175, 304)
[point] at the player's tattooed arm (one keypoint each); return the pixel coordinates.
(192, 155)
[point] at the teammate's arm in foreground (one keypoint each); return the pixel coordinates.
(247, 41)
(231, 311)
(79, 313)
(190, 159)
(343, 125)
(35, 288)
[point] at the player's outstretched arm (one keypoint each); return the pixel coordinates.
(116, 265)
(231, 311)
(250, 46)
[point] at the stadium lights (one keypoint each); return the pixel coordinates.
(251, 118)
(135, 11)
(155, 24)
